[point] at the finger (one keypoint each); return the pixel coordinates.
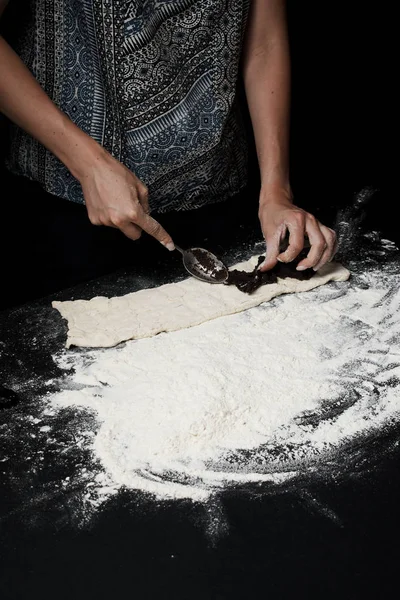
(273, 244)
(331, 247)
(143, 195)
(131, 231)
(296, 227)
(153, 228)
(318, 244)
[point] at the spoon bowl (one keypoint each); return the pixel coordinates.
(203, 265)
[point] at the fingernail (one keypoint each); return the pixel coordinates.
(261, 266)
(169, 246)
(301, 268)
(280, 260)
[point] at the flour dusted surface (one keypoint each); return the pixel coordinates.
(104, 322)
(245, 398)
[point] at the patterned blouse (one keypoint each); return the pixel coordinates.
(154, 82)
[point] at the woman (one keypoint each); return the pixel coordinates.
(131, 107)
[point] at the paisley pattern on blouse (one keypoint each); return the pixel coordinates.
(154, 82)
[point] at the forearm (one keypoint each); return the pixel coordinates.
(266, 72)
(25, 103)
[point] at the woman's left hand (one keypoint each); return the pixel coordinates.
(278, 215)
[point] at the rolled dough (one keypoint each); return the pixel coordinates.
(105, 322)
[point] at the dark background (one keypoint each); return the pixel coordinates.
(286, 546)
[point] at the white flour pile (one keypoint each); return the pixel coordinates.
(250, 397)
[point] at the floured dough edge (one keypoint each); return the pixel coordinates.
(105, 322)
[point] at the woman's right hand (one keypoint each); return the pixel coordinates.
(115, 197)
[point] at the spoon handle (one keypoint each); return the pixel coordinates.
(179, 249)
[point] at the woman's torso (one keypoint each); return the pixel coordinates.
(154, 82)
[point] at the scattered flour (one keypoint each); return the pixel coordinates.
(253, 397)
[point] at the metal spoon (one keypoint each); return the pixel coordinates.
(203, 265)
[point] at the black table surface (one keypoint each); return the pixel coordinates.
(328, 537)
